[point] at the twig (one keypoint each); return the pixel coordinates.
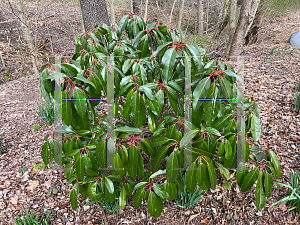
(172, 11)
(2, 60)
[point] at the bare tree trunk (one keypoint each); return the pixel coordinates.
(232, 22)
(254, 6)
(206, 9)
(146, 11)
(26, 32)
(252, 34)
(245, 20)
(112, 14)
(225, 19)
(93, 12)
(136, 6)
(131, 5)
(180, 14)
(171, 14)
(200, 18)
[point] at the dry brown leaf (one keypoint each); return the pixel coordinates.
(14, 200)
(32, 184)
(283, 207)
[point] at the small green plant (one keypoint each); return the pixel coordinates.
(7, 76)
(186, 199)
(299, 86)
(273, 35)
(35, 127)
(29, 219)
(46, 112)
(293, 197)
(41, 165)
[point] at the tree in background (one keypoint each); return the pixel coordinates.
(112, 14)
(93, 12)
(247, 14)
(136, 6)
(26, 32)
(252, 34)
(232, 22)
(180, 14)
(200, 17)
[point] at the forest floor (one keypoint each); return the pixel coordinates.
(271, 78)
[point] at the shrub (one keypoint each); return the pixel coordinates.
(153, 136)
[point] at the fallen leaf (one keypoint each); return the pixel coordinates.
(32, 184)
(282, 206)
(14, 200)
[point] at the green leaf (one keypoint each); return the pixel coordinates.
(73, 199)
(172, 167)
(228, 149)
(159, 141)
(221, 122)
(190, 179)
(159, 206)
(213, 131)
(159, 49)
(249, 180)
(140, 185)
(119, 165)
(168, 64)
(45, 153)
(221, 149)
(79, 168)
(276, 164)
(83, 79)
(255, 128)
(128, 130)
(260, 198)
(173, 192)
(101, 153)
(138, 197)
(241, 173)
(159, 156)
(148, 93)
(109, 185)
(160, 100)
(151, 203)
(159, 191)
(80, 105)
(122, 25)
(122, 198)
(226, 88)
(157, 173)
(149, 146)
(144, 46)
(126, 108)
(268, 184)
(138, 109)
(202, 177)
(232, 74)
(200, 90)
(66, 111)
(224, 171)
(212, 175)
(188, 137)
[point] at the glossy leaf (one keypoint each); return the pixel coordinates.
(255, 128)
(260, 198)
(79, 168)
(268, 184)
(73, 199)
(172, 167)
(249, 180)
(138, 197)
(80, 103)
(212, 175)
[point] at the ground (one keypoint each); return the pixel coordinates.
(271, 78)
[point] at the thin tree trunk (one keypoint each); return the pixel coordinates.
(254, 6)
(240, 31)
(93, 12)
(180, 14)
(171, 14)
(225, 19)
(146, 11)
(112, 14)
(232, 22)
(200, 18)
(136, 6)
(206, 9)
(131, 5)
(252, 34)
(26, 32)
